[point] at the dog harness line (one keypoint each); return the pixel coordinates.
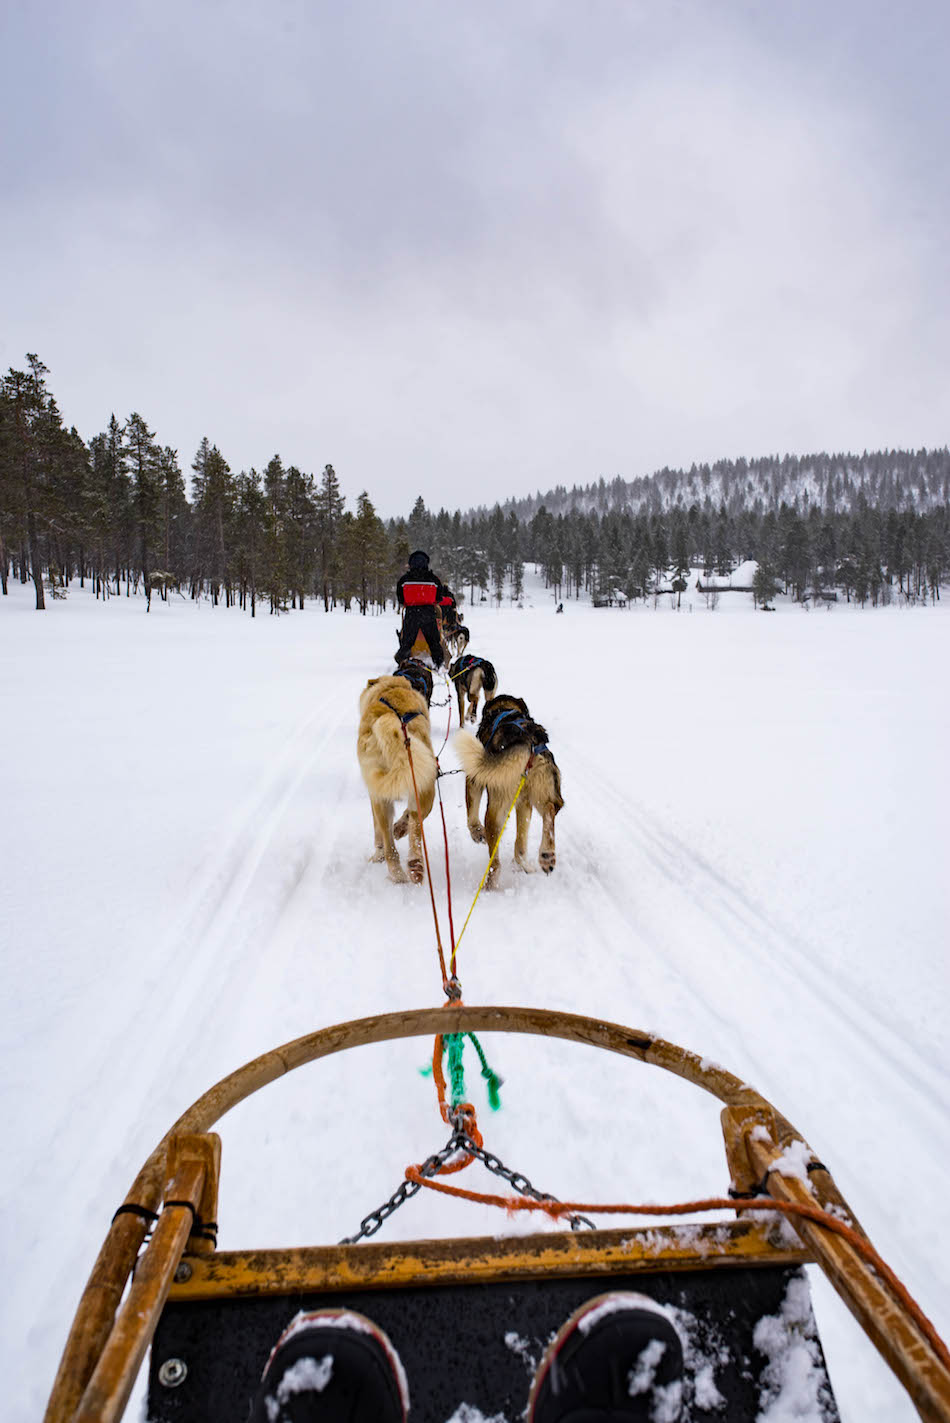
(416, 680)
(515, 718)
(404, 717)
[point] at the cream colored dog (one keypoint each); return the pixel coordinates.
(386, 706)
(510, 744)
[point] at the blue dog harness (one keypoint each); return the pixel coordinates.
(520, 722)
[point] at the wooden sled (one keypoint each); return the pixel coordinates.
(490, 1304)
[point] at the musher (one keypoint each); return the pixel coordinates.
(422, 595)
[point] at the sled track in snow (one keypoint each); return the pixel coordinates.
(198, 964)
(756, 937)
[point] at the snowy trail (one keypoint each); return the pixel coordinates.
(240, 911)
(751, 936)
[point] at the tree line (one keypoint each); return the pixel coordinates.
(113, 512)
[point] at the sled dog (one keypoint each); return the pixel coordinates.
(472, 675)
(457, 638)
(418, 675)
(387, 704)
(510, 744)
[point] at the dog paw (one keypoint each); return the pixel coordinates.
(547, 862)
(522, 864)
(378, 856)
(401, 828)
(397, 874)
(477, 834)
(416, 871)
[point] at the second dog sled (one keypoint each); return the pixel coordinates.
(470, 1316)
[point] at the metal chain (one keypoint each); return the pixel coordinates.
(516, 1180)
(430, 1167)
(460, 1141)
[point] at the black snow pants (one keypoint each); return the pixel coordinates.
(414, 620)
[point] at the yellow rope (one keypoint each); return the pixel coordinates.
(488, 867)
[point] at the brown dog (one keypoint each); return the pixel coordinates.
(472, 675)
(387, 705)
(509, 745)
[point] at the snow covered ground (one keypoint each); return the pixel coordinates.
(751, 862)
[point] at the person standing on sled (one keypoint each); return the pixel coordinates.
(421, 594)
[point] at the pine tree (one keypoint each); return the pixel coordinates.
(250, 526)
(329, 511)
(764, 586)
(174, 515)
(144, 464)
(26, 449)
(300, 518)
(274, 572)
(213, 489)
(368, 556)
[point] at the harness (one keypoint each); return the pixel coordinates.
(416, 678)
(520, 722)
(467, 662)
(404, 717)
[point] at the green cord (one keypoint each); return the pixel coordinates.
(491, 1077)
(453, 1043)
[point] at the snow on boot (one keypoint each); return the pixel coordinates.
(332, 1366)
(618, 1359)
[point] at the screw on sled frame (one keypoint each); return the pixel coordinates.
(107, 1343)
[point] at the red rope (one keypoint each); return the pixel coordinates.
(448, 871)
(425, 851)
(862, 1246)
(448, 724)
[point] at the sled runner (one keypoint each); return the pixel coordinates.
(471, 1317)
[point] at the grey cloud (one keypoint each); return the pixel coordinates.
(469, 249)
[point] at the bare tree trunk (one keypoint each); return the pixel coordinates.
(36, 565)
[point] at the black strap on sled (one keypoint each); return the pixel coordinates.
(206, 1229)
(143, 1212)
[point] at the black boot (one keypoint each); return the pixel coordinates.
(618, 1359)
(332, 1366)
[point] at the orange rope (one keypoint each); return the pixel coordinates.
(863, 1247)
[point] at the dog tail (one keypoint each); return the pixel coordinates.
(396, 781)
(470, 751)
(490, 770)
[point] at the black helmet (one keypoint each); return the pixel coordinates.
(418, 559)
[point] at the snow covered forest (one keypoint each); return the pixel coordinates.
(114, 511)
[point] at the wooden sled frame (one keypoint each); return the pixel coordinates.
(110, 1336)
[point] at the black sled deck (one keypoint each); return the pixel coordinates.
(470, 1318)
(470, 1349)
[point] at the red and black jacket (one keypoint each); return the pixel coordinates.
(421, 590)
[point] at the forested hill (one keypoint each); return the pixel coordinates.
(114, 509)
(917, 481)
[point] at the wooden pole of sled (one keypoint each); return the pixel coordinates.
(880, 1315)
(103, 1353)
(108, 1390)
(93, 1331)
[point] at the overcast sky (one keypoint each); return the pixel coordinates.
(472, 248)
